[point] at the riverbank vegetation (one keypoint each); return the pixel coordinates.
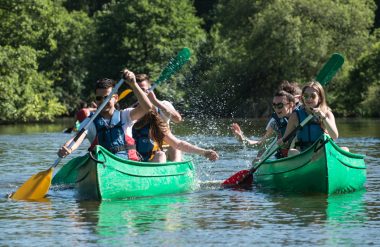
(52, 52)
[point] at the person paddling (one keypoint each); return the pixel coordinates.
(314, 102)
(112, 129)
(160, 133)
(283, 104)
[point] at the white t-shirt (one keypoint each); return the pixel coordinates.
(163, 115)
(125, 117)
(271, 124)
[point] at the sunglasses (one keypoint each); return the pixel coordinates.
(278, 105)
(307, 96)
(101, 98)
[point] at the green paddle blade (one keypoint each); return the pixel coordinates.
(329, 69)
(174, 65)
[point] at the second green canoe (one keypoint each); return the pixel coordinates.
(104, 176)
(322, 168)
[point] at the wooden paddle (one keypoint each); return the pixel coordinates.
(38, 185)
(244, 177)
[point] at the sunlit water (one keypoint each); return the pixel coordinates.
(209, 216)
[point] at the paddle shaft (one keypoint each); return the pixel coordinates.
(275, 146)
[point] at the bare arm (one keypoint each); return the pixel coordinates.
(292, 124)
(235, 128)
(65, 150)
(144, 103)
(328, 123)
(169, 111)
(189, 148)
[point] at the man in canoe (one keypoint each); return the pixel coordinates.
(145, 146)
(112, 129)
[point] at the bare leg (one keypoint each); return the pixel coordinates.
(174, 155)
(159, 157)
(346, 149)
(293, 152)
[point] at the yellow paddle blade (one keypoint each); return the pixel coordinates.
(124, 93)
(35, 187)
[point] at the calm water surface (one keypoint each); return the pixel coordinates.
(208, 216)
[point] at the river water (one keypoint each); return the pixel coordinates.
(208, 216)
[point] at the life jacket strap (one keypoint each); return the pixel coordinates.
(122, 148)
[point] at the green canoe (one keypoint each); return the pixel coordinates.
(322, 168)
(104, 176)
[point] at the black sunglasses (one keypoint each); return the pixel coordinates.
(101, 98)
(278, 105)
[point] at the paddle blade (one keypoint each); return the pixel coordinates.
(242, 178)
(124, 94)
(35, 187)
(174, 65)
(330, 68)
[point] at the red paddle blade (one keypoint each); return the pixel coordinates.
(239, 179)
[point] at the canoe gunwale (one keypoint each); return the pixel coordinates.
(100, 150)
(142, 176)
(285, 171)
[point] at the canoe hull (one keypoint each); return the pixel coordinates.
(105, 176)
(323, 168)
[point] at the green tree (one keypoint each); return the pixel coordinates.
(360, 95)
(26, 94)
(142, 35)
(254, 45)
(59, 37)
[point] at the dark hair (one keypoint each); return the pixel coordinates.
(158, 128)
(288, 96)
(291, 87)
(104, 83)
(142, 77)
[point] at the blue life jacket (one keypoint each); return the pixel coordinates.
(112, 136)
(144, 145)
(281, 127)
(311, 132)
(281, 124)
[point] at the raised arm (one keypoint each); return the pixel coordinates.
(167, 109)
(144, 103)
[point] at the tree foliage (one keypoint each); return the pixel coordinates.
(26, 94)
(59, 39)
(142, 35)
(360, 95)
(51, 52)
(257, 44)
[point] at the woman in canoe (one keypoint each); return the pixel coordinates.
(283, 105)
(313, 102)
(160, 133)
(145, 146)
(112, 128)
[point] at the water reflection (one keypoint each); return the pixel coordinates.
(127, 218)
